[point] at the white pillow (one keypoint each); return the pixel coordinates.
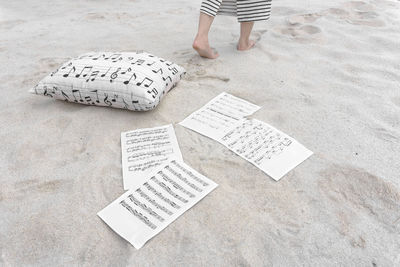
(129, 80)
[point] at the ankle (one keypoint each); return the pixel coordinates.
(201, 38)
(244, 41)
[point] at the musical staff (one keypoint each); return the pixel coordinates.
(145, 149)
(218, 115)
(158, 199)
(269, 149)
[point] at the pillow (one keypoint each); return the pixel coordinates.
(129, 80)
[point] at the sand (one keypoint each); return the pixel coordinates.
(325, 72)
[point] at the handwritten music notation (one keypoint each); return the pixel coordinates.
(159, 199)
(266, 147)
(145, 149)
(135, 81)
(218, 115)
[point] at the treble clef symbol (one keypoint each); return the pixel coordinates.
(114, 75)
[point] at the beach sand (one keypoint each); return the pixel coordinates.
(325, 72)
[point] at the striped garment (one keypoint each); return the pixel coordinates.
(244, 10)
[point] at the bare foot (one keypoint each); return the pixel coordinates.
(243, 46)
(203, 48)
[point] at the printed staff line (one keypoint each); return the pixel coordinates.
(145, 208)
(117, 70)
(148, 146)
(183, 179)
(128, 65)
(146, 165)
(147, 132)
(154, 153)
(189, 173)
(167, 189)
(153, 202)
(97, 89)
(212, 115)
(138, 215)
(126, 58)
(146, 139)
(208, 120)
(161, 196)
(175, 184)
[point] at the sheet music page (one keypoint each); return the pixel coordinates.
(217, 116)
(142, 212)
(145, 149)
(269, 149)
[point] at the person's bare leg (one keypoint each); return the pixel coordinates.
(244, 41)
(200, 43)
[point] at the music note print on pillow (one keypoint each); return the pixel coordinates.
(127, 80)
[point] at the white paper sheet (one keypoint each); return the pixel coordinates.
(145, 149)
(217, 116)
(269, 149)
(164, 195)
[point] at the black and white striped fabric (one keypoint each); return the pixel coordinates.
(244, 10)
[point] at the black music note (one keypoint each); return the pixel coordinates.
(127, 70)
(150, 81)
(92, 76)
(114, 75)
(97, 96)
(100, 56)
(104, 74)
(54, 72)
(89, 100)
(138, 62)
(80, 96)
(158, 71)
(168, 77)
(65, 95)
(114, 99)
(153, 92)
(89, 68)
(174, 70)
(119, 59)
(149, 64)
(73, 69)
(69, 65)
(128, 81)
(113, 57)
(134, 101)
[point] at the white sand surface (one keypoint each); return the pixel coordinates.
(325, 72)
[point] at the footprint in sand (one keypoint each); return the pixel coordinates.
(357, 13)
(196, 68)
(302, 19)
(302, 33)
(359, 6)
(202, 75)
(300, 27)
